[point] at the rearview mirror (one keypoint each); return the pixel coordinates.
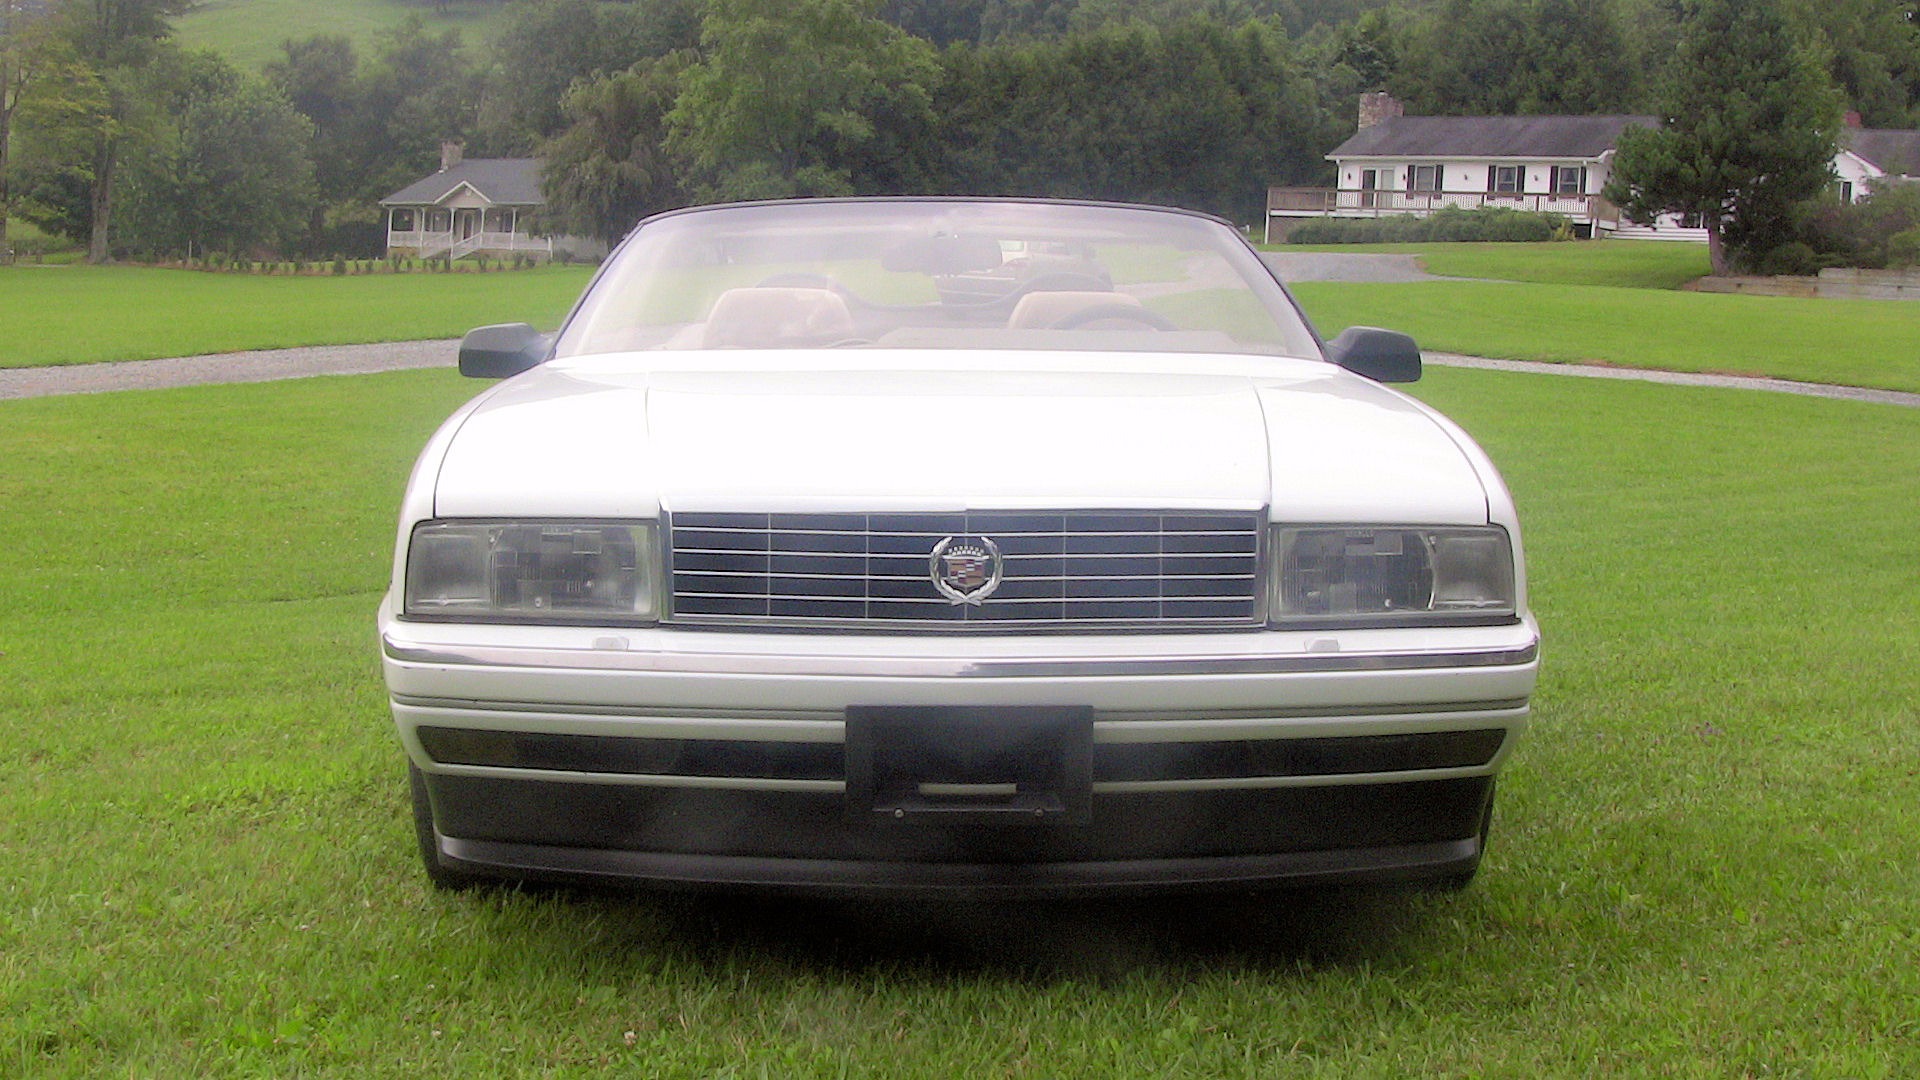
(495, 352)
(1380, 355)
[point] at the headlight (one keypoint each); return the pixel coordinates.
(1391, 576)
(533, 571)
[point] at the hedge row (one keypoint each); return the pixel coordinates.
(1449, 224)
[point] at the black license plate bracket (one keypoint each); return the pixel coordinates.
(972, 765)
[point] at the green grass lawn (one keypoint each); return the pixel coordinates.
(1626, 263)
(249, 32)
(80, 314)
(1703, 863)
(1850, 342)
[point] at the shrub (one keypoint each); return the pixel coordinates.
(1903, 249)
(1863, 234)
(1791, 259)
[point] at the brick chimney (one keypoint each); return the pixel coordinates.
(450, 154)
(1853, 119)
(1377, 106)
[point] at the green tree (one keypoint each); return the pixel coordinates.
(34, 66)
(118, 39)
(801, 97)
(419, 91)
(321, 78)
(1192, 113)
(939, 21)
(1874, 47)
(228, 170)
(1749, 133)
(378, 122)
(1512, 57)
(609, 167)
(546, 45)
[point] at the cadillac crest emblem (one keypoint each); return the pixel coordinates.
(965, 569)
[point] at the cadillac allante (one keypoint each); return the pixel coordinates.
(937, 546)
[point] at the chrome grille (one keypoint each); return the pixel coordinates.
(1079, 570)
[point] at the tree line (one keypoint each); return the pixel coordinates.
(113, 135)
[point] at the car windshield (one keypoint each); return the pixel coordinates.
(936, 274)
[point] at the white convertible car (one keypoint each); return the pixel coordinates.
(939, 545)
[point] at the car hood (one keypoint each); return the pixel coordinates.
(598, 438)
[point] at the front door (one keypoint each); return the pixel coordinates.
(1369, 184)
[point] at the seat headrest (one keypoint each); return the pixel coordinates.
(777, 317)
(1040, 310)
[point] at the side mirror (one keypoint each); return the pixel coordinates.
(1380, 355)
(495, 352)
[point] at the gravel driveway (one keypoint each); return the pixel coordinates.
(226, 367)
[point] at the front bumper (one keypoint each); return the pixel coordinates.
(695, 757)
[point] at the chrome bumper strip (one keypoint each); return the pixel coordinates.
(839, 787)
(912, 667)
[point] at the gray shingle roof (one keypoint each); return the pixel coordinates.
(1896, 153)
(503, 181)
(1533, 137)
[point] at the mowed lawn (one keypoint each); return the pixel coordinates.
(85, 314)
(1616, 302)
(1846, 342)
(1702, 865)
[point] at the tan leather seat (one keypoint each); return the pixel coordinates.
(772, 318)
(1041, 310)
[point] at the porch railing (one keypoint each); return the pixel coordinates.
(433, 245)
(1355, 202)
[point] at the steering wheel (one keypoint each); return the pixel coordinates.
(1124, 313)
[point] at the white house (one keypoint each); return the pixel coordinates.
(1872, 156)
(1413, 165)
(470, 207)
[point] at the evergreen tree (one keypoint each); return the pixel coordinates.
(1749, 133)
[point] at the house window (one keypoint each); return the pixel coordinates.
(1569, 179)
(1846, 191)
(403, 219)
(1503, 179)
(1423, 178)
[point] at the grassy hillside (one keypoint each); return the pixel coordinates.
(249, 32)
